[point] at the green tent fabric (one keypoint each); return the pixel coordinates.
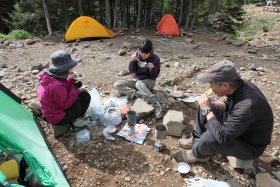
(19, 131)
(4, 182)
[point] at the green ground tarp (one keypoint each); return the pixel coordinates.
(19, 131)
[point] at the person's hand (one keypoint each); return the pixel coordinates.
(150, 65)
(71, 71)
(78, 84)
(204, 101)
(133, 57)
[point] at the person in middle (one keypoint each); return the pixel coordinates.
(145, 67)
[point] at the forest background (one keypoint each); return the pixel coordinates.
(50, 17)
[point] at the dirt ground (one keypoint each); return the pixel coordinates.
(102, 162)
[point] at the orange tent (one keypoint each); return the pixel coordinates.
(168, 26)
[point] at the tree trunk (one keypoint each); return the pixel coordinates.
(81, 11)
(161, 10)
(47, 17)
(116, 10)
(139, 14)
(108, 13)
(92, 10)
(66, 15)
(124, 13)
(151, 13)
(181, 12)
(188, 15)
(101, 9)
(146, 14)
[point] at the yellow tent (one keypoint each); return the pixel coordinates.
(86, 27)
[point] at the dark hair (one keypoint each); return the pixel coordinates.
(146, 46)
(234, 83)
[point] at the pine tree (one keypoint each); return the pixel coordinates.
(6, 6)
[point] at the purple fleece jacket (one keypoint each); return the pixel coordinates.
(55, 96)
(141, 73)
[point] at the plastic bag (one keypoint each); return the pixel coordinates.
(83, 136)
(112, 116)
(95, 109)
(108, 131)
(201, 182)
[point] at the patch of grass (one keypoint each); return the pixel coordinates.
(256, 26)
(3, 36)
(16, 34)
(19, 34)
(232, 36)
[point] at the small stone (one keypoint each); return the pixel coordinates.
(35, 71)
(127, 179)
(30, 41)
(260, 69)
(122, 52)
(177, 64)
(252, 51)
(3, 65)
(2, 74)
(253, 67)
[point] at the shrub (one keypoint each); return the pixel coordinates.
(3, 36)
(265, 28)
(19, 34)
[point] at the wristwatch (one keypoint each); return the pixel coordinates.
(205, 111)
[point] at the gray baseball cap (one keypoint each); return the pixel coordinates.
(223, 71)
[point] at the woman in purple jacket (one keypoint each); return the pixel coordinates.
(60, 98)
(145, 67)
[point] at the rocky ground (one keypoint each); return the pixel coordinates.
(102, 162)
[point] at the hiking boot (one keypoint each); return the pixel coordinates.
(187, 143)
(158, 110)
(157, 106)
(59, 130)
(81, 122)
(188, 157)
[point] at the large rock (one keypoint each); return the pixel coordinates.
(142, 108)
(35, 105)
(173, 120)
(238, 163)
(265, 180)
(277, 174)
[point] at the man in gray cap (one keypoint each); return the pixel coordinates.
(240, 127)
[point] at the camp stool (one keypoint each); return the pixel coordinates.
(59, 130)
(238, 163)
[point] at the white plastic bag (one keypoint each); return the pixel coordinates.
(201, 182)
(83, 136)
(112, 116)
(95, 109)
(108, 131)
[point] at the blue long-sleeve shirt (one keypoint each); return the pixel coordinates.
(142, 73)
(249, 118)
